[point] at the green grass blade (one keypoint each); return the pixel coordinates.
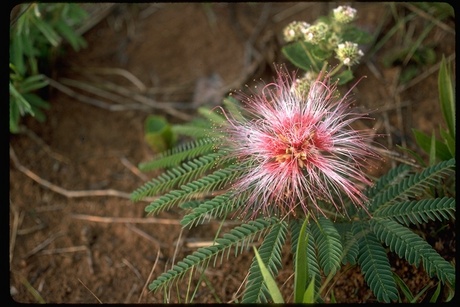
(300, 276)
(447, 96)
(309, 295)
(269, 281)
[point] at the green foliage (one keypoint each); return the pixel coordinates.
(37, 32)
(328, 243)
(414, 185)
(270, 256)
(238, 238)
(419, 211)
(175, 177)
(273, 290)
(413, 55)
(313, 46)
(23, 100)
(374, 264)
(174, 156)
(215, 181)
(197, 176)
(444, 149)
(309, 268)
(158, 133)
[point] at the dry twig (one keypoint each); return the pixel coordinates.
(144, 235)
(100, 302)
(39, 141)
(13, 231)
(45, 243)
(63, 250)
(142, 220)
(129, 265)
(64, 192)
(150, 276)
(133, 169)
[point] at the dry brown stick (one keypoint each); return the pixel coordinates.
(144, 103)
(95, 90)
(95, 102)
(64, 192)
(85, 237)
(130, 293)
(42, 245)
(14, 232)
(133, 169)
(116, 71)
(150, 276)
(396, 156)
(152, 104)
(176, 250)
(129, 265)
(236, 295)
(31, 229)
(136, 96)
(45, 146)
(143, 234)
(100, 302)
(63, 250)
(104, 219)
(198, 244)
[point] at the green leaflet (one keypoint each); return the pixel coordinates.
(415, 184)
(418, 212)
(374, 264)
(216, 180)
(413, 248)
(328, 244)
(215, 207)
(394, 176)
(239, 236)
(180, 153)
(181, 174)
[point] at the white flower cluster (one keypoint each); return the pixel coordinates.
(316, 33)
(348, 53)
(344, 14)
(295, 30)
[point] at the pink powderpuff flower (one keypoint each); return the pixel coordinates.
(298, 148)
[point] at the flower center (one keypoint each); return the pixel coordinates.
(295, 151)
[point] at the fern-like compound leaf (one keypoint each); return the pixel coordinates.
(197, 129)
(434, 264)
(270, 253)
(414, 185)
(180, 153)
(178, 175)
(350, 248)
(213, 208)
(214, 181)
(418, 212)
(374, 264)
(391, 178)
(328, 243)
(238, 238)
(412, 247)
